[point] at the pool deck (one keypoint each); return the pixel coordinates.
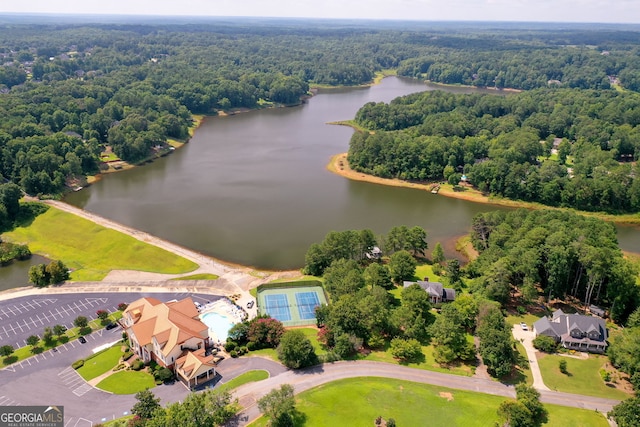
(225, 308)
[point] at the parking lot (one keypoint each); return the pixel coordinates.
(25, 316)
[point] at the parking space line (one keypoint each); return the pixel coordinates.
(30, 305)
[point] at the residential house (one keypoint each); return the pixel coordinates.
(168, 332)
(574, 331)
(437, 292)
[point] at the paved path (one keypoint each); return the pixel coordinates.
(302, 380)
(526, 338)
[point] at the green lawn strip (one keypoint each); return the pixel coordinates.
(312, 335)
(127, 382)
(91, 250)
(269, 353)
(118, 422)
(584, 376)
(100, 363)
(361, 400)
(201, 276)
(247, 377)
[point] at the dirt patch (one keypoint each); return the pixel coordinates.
(446, 395)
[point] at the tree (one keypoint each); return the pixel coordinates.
(47, 335)
(514, 414)
(378, 275)
(562, 365)
(57, 272)
(530, 398)
(406, 350)
(80, 322)
(59, 329)
(343, 277)
(449, 337)
(102, 314)
(316, 260)
(265, 332)
(454, 276)
(627, 412)
(437, 255)
(203, 409)
(278, 405)
(402, 266)
(33, 340)
(6, 350)
(295, 350)
(38, 275)
(147, 403)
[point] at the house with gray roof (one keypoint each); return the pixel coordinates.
(437, 292)
(574, 331)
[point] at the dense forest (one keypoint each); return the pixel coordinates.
(68, 90)
(563, 254)
(561, 147)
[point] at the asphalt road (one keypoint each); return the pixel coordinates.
(25, 316)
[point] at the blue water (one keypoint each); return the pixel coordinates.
(218, 323)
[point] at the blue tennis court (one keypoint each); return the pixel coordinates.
(307, 303)
(277, 305)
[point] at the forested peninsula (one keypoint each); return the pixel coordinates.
(74, 96)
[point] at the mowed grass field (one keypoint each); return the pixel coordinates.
(92, 251)
(583, 378)
(100, 363)
(127, 382)
(360, 400)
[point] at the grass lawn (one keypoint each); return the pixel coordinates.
(426, 270)
(92, 251)
(527, 318)
(247, 377)
(201, 276)
(361, 400)
(427, 364)
(523, 370)
(127, 382)
(584, 376)
(100, 363)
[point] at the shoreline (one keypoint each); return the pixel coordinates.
(338, 164)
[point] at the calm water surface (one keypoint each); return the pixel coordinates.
(16, 274)
(253, 189)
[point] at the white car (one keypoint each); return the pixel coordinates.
(524, 326)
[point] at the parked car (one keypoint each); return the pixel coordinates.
(82, 340)
(111, 326)
(250, 304)
(524, 326)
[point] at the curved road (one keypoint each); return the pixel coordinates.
(306, 379)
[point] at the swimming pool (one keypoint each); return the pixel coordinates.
(218, 324)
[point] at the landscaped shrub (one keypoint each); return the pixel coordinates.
(10, 359)
(562, 365)
(120, 367)
(36, 350)
(63, 339)
(122, 306)
(606, 375)
(233, 353)
(251, 346)
(137, 365)
(85, 330)
(545, 343)
(163, 374)
(127, 355)
(230, 345)
(242, 350)
(77, 364)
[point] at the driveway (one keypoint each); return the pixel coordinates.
(526, 338)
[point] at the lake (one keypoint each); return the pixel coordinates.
(253, 189)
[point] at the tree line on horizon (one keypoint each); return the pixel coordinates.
(68, 91)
